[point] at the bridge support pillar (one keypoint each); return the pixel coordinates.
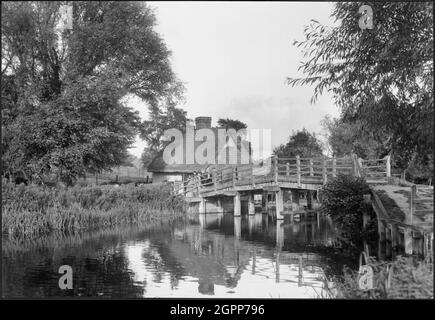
(295, 199)
(251, 224)
(408, 241)
(237, 227)
(251, 206)
(219, 205)
(309, 199)
(279, 234)
(264, 202)
(393, 235)
(201, 208)
(279, 204)
(237, 205)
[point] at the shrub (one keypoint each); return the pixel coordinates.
(343, 201)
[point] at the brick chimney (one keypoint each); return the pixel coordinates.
(202, 123)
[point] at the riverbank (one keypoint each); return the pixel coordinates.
(403, 278)
(32, 211)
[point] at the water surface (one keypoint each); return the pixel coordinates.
(215, 255)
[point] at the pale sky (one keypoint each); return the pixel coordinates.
(234, 58)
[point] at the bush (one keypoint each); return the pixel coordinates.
(343, 201)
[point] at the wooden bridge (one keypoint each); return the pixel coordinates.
(293, 176)
(277, 176)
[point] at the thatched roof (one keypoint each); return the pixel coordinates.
(159, 165)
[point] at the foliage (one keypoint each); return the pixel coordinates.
(147, 157)
(62, 109)
(300, 143)
(381, 78)
(343, 201)
(345, 138)
(410, 279)
(36, 210)
(231, 124)
(160, 120)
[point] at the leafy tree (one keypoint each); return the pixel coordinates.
(160, 120)
(231, 124)
(62, 97)
(147, 156)
(382, 77)
(346, 138)
(301, 143)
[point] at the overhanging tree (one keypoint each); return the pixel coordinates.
(62, 90)
(380, 77)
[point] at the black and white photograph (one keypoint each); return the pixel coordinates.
(217, 150)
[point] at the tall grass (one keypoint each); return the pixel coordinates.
(410, 279)
(34, 210)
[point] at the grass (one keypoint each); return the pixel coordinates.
(410, 279)
(390, 206)
(32, 211)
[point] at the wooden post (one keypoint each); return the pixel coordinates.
(325, 178)
(264, 202)
(295, 199)
(275, 168)
(251, 207)
(234, 177)
(309, 199)
(237, 205)
(300, 271)
(411, 202)
(334, 166)
(202, 206)
(355, 165)
(311, 168)
(408, 241)
(237, 227)
(393, 231)
(220, 207)
(214, 179)
(277, 266)
(388, 166)
(298, 169)
(381, 241)
(279, 204)
(252, 176)
(279, 234)
(287, 169)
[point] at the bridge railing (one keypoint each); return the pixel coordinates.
(375, 169)
(279, 169)
(421, 202)
(313, 169)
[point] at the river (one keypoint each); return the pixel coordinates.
(213, 255)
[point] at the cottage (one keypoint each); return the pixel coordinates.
(183, 171)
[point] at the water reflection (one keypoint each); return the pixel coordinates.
(216, 255)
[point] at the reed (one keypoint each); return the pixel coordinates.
(33, 211)
(410, 279)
